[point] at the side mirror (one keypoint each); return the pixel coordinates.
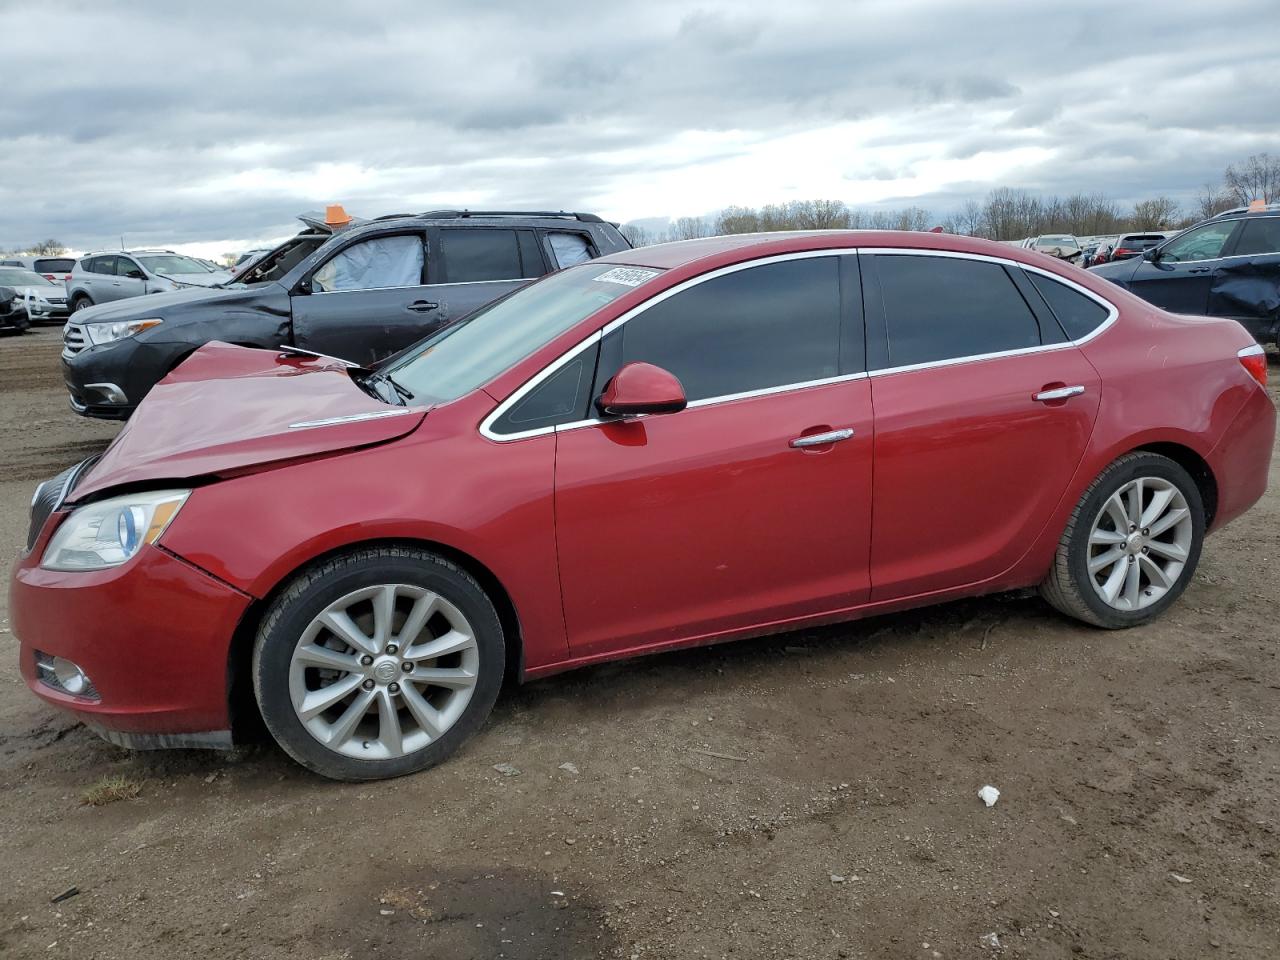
(641, 388)
(303, 287)
(136, 275)
(1151, 254)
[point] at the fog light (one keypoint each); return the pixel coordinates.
(64, 676)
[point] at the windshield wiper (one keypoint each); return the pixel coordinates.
(398, 394)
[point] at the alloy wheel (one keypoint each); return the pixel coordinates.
(1139, 543)
(383, 671)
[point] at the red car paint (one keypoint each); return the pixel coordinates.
(627, 537)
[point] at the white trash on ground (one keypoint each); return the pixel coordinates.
(989, 795)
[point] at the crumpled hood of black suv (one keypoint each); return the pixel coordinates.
(154, 304)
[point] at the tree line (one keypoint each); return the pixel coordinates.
(1005, 214)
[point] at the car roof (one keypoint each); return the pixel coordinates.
(484, 218)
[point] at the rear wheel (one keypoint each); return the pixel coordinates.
(1131, 545)
(81, 302)
(378, 663)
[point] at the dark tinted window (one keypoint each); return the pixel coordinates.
(105, 265)
(1077, 313)
(1260, 235)
(561, 398)
(475, 255)
(761, 327)
(58, 265)
(940, 308)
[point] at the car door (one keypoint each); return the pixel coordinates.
(1246, 283)
(473, 266)
(367, 300)
(1180, 278)
(129, 280)
(683, 526)
(982, 414)
(100, 279)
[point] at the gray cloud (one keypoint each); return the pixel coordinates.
(181, 123)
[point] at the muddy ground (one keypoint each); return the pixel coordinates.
(720, 793)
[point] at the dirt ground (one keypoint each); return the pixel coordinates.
(812, 795)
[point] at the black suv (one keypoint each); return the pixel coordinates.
(1226, 266)
(362, 294)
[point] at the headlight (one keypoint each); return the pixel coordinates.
(106, 332)
(107, 534)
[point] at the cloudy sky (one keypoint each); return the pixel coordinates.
(214, 124)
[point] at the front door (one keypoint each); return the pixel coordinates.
(1180, 280)
(684, 526)
(981, 421)
(367, 301)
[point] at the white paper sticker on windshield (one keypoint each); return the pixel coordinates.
(627, 276)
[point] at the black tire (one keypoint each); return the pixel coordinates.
(81, 302)
(1069, 587)
(318, 586)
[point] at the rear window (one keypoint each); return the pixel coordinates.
(1078, 314)
(1259, 236)
(1141, 239)
(55, 265)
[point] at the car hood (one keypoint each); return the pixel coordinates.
(1117, 271)
(152, 304)
(228, 409)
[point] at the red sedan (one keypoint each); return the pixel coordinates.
(674, 446)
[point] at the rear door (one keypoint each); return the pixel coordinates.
(1180, 280)
(472, 266)
(974, 444)
(1246, 283)
(105, 284)
(368, 300)
(687, 525)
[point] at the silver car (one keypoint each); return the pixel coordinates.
(44, 299)
(104, 277)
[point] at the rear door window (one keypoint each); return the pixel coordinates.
(569, 248)
(476, 255)
(766, 326)
(946, 308)
(1259, 236)
(1079, 315)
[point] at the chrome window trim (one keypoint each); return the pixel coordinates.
(424, 286)
(1113, 313)
(353, 418)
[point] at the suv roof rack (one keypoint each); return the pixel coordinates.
(1265, 208)
(464, 214)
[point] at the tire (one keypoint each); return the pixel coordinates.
(80, 303)
(387, 690)
(1072, 589)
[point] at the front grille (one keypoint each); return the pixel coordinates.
(60, 301)
(49, 496)
(73, 339)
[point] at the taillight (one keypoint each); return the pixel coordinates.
(48, 276)
(1254, 360)
(1120, 252)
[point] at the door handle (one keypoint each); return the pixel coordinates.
(822, 439)
(1199, 270)
(422, 306)
(1061, 393)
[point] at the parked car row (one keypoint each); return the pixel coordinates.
(646, 450)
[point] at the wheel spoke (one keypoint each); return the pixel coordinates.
(1170, 519)
(1159, 503)
(314, 655)
(389, 733)
(455, 641)
(1111, 589)
(1134, 498)
(422, 610)
(317, 702)
(455, 678)
(342, 727)
(1170, 551)
(1132, 585)
(1101, 537)
(1156, 575)
(428, 717)
(1119, 513)
(1106, 559)
(344, 628)
(384, 613)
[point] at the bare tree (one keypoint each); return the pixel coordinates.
(1154, 213)
(637, 236)
(47, 248)
(1211, 201)
(1257, 178)
(737, 220)
(690, 228)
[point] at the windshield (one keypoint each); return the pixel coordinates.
(173, 263)
(277, 264)
(471, 352)
(17, 277)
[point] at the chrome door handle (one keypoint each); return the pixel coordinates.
(1062, 393)
(822, 439)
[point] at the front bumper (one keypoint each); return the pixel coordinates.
(107, 381)
(153, 635)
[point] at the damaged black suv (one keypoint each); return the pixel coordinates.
(361, 291)
(1226, 266)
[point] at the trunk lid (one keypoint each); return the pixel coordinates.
(227, 409)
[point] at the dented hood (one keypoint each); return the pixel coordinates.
(230, 408)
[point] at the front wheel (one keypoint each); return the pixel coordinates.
(1131, 545)
(378, 663)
